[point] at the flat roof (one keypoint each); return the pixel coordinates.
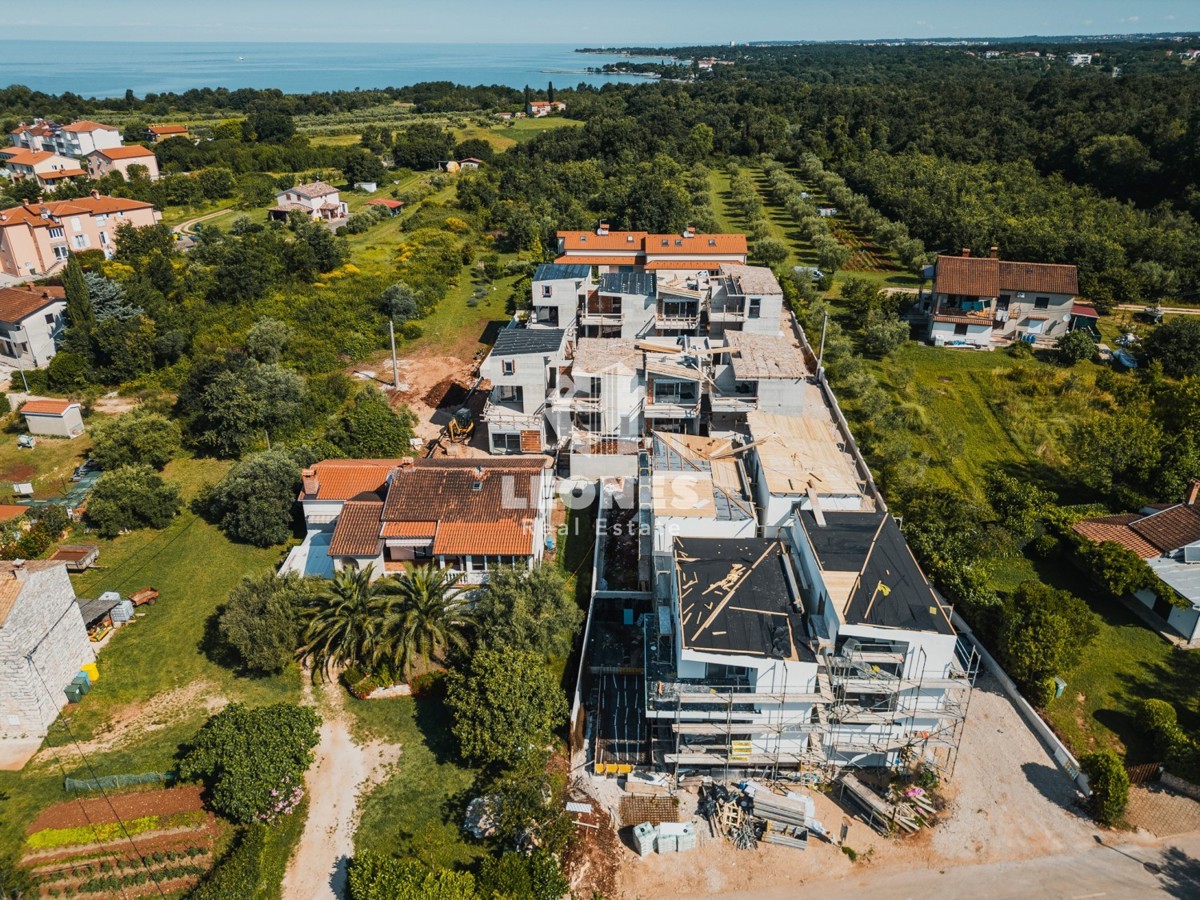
(801, 452)
(557, 271)
(735, 597)
(870, 570)
(594, 356)
(514, 341)
(641, 283)
(756, 357)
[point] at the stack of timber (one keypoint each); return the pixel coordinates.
(883, 816)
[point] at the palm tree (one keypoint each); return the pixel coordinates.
(425, 617)
(344, 622)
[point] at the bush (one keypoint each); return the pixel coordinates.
(139, 437)
(239, 872)
(253, 760)
(253, 502)
(67, 371)
(1157, 719)
(536, 876)
(370, 429)
(375, 877)
(261, 620)
(1109, 783)
(131, 497)
(1074, 347)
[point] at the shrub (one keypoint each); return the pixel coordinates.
(132, 497)
(1074, 347)
(370, 429)
(253, 502)
(1109, 784)
(375, 877)
(139, 437)
(261, 620)
(238, 873)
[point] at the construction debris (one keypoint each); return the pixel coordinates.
(753, 813)
(908, 813)
(639, 808)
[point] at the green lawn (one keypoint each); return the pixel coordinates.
(522, 130)
(167, 648)
(48, 465)
(417, 813)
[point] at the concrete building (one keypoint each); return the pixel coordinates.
(43, 644)
(316, 200)
(119, 159)
(37, 238)
(31, 320)
(525, 366)
(559, 291)
(158, 133)
(75, 140)
(41, 166)
(53, 418)
(985, 301)
(621, 306)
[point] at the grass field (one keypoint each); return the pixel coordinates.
(48, 465)
(166, 653)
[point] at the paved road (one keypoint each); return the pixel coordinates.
(1166, 869)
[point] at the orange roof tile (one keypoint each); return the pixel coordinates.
(342, 479)
(409, 529)
(681, 245)
(631, 241)
(357, 529)
(49, 407)
(88, 125)
(168, 129)
(31, 215)
(1099, 531)
(30, 157)
(498, 539)
(17, 303)
(133, 151)
(58, 174)
(10, 511)
(983, 276)
(566, 259)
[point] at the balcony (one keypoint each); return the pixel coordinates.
(510, 414)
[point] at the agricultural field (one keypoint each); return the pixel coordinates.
(132, 845)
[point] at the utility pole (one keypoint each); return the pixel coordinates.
(395, 365)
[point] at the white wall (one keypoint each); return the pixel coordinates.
(941, 333)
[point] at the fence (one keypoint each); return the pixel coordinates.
(108, 782)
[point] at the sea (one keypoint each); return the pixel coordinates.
(110, 68)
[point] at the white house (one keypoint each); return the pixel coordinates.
(53, 418)
(43, 644)
(745, 298)
(524, 366)
(559, 290)
(317, 200)
(31, 320)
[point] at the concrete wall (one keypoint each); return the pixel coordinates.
(592, 466)
(36, 334)
(43, 642)
(942, 334)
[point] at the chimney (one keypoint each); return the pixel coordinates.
(994, 252)
(407, 462)
(95, 195)
(19, 571)
(966, 252)
(1193, 492)
(602, 229)
(312, 484)
(25, 203)
(689, 231)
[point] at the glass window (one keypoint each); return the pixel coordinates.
(508, 366)
(960, 329)
(1041, 303)
(755, 308)
(547, 290)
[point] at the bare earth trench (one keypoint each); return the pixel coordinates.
(341, 774)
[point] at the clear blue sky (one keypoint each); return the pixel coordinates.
(659, 22)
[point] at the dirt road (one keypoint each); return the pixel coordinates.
(189, 227)
(341, 773)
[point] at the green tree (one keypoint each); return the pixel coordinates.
(140, 437)
(270, 125)
(1021, 505)
(131, 497)
(267, 339)
(885, 335)
(253, 760)
(67, 371)
(523, 609)
(1117, 567)
(344, 624)
(1044, 632)
(261, 620)
(80, 314)
(372, 876)
(232, 402)
(370, 429)
(536, 876)
(425, 617)
(124, 347)
(505, 705)
(253, 502)
(422, 146)
(362, 165)
(1115, 449)
(401, 303)
(1109, 784)
(1176, 344)
(771, 251)
(1075, 347)
(475, 148)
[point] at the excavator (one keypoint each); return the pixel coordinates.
(461, 426)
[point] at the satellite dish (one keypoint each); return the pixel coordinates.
(1066, 317)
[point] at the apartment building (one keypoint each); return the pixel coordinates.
(75, 140)
(31, 321)
(120, 159)
(524, 367)
(36, 238)
(42, 166)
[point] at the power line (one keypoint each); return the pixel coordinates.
(100, 787)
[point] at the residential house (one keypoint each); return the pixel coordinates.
(985, 301)
(52, 417)
(599, 406)
(757, 372)
(156, 134)
(31, 320)
(46, 168)
(470, 163)
(329, 484)
(36, 238)
(466, 515)
(75, 140)
(745, 298)
(1079, 59)
(559, 290)
(1168, 538)
(608, 251)
(524, 366)
(622, 305)
(393, 207)
(541, 108)
(317, 200)
(43, 644)
(119, 159)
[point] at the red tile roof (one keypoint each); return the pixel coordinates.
(59, 174)
(31, 215)
(29, 157)
(168, 129)
(133, 151)
(357, 529)
(47, 407)
(683, 245)
(566, 259)
(631, 241)
(983, 276)
(409, 530)
(88, 125)
(468, 539)
(1088, 312)
(342, 479)
(383, 201)
(1100, 531)
(10, 511)
(17, 303)
(1162, 531)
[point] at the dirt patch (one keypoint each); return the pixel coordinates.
(113, 404)
(132, 722)
(89, 810)
(427, 384)
(22, 472)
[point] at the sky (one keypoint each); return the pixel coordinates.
(608, 22)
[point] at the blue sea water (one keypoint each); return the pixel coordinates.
(109, 68)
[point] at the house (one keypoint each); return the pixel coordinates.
(559, 292)
(42, 166)
(119, 159)
(53, 418)
(983, 301)
(156, 134)
(393, 207)
(1168, 539)
(538, 108)
(679, 255)
(329, 484)
(317, 200)
(757, 372)
(367, 187)
(1079, 59)
(745, 298)
(467, 515)
(75, 140)
(31, 320)
(600, 406)
(524, 365)
(36, 238)
(470, 163)
(43, 644)
(622, 305)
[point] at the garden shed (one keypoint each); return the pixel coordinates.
(54, 418)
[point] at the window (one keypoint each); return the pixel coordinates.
(616, 305)
(509, 394)
(61, 252)
(755, 310)
(1041, 303)
(56, 234)
(49, 318)
(76, 225)
(1003, 302)
(506, 442)
(960, 328)
(508, 366)
(80, 241)
(547, 290)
